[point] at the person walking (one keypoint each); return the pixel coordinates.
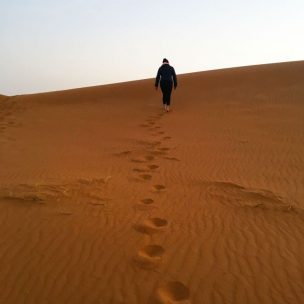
(167, 78)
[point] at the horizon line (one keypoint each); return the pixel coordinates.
(149, 78)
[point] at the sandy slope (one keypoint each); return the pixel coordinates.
(104, 199)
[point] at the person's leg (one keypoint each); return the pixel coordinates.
(163, 88)
(168, 97)
(166, 87)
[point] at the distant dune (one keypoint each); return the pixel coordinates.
(3, 97)
(106, 199)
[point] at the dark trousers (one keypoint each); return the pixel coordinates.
(166, 87)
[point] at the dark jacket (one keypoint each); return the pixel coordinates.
(166, 73)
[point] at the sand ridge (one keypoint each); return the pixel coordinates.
(104, 198)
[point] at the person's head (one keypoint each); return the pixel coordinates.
(165, 60)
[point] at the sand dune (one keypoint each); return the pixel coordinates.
(105, 199)
(3, 97)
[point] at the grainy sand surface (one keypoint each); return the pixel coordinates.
(106, 199)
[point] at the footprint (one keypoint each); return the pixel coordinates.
(152, 251)
(172, 292)
(159, 187)
(147, 201)
(146, 176)
(164, 149)
(161, 132)
(172, 158)
(153, 167)
(143, 207)
(150, 256)
(167, 137)
(151, 225)
(97, 204)
(139, 170)
(64, 213)
(123, 153)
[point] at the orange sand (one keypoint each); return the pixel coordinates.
(105, 199)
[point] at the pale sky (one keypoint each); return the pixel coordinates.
(59, 44)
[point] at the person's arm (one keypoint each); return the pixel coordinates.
(174, 78)
(157, 78)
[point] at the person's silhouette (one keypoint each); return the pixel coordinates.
(166, 77)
